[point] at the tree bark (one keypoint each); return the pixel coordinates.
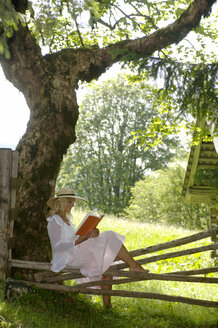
(48, 84)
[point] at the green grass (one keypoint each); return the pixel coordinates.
(45, 309)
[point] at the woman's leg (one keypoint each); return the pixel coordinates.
(125, 256)
(107, 298)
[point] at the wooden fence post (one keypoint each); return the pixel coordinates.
(8, 172)
(214, 224)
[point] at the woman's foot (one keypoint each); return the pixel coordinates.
(138, 268)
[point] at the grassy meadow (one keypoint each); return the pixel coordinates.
(45, 309)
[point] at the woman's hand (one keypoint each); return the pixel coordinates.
(82, 238)
(94, 233)
(91, 234)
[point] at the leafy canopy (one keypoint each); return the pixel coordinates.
(188, 71)
(187, 89)
(69, 23)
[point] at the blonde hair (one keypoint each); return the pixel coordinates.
(59, 206)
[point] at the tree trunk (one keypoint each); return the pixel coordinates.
(41, 152)
(51, 129)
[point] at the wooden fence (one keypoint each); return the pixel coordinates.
(46, 279)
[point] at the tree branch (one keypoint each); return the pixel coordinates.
(99, 59)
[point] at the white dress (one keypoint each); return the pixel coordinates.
(93, 256)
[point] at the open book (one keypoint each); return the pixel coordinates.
(89, 222)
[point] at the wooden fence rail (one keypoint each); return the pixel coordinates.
(172, 255)
(68, 274)
(195, 272)
(51, 277)
(175, 242)
(125, 293)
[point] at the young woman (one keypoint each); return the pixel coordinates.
(94, 253)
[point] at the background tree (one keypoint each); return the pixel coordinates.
(75, 51)
(157, 198)
(105, 162)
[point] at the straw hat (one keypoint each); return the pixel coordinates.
(64, 192)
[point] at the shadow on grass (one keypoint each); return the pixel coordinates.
(47, 309)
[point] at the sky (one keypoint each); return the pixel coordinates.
(14, 112)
